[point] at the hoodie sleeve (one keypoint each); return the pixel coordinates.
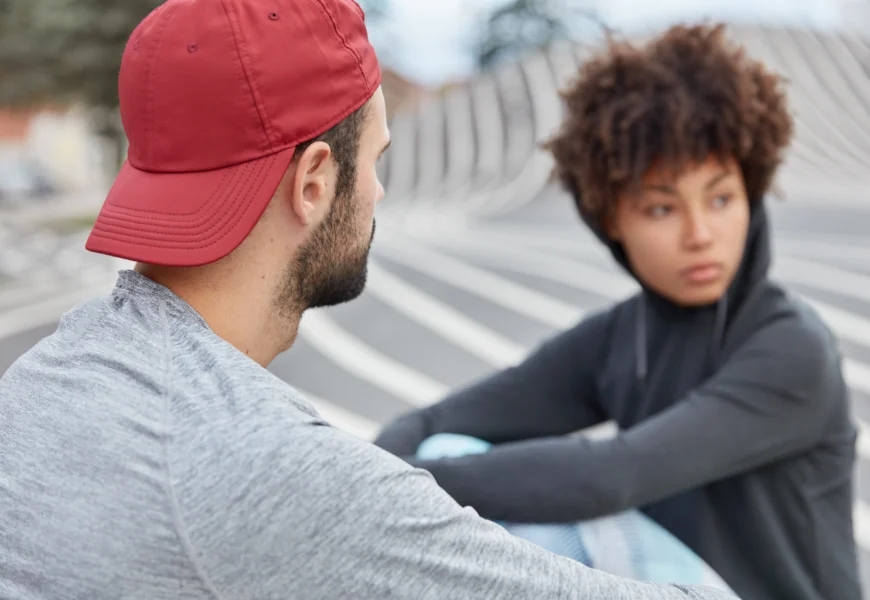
(552, 392)
(768, 401)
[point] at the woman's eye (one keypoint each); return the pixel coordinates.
(659, 210)
(721, 201)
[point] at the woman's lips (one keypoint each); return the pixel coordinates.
(703, 273)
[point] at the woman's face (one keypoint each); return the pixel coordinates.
(685, 236)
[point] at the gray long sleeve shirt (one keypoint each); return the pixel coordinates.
(141, 456)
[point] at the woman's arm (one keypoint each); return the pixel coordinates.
(769, 401)
(552, 392)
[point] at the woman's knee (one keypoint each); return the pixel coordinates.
(444, 445)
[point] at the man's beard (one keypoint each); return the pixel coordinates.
(331, 268)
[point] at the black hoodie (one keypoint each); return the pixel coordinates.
(735, 432)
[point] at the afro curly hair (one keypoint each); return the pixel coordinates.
(685, 96)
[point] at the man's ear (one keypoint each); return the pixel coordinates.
(310, 184)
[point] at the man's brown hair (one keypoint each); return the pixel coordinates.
(685, 96)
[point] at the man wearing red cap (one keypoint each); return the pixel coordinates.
(145, 450)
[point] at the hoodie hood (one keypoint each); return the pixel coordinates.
(753, 269)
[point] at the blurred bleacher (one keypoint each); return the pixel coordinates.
(472, 150)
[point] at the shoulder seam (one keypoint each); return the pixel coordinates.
(177, 521)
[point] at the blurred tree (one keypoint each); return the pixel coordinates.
(518, 25)
(522, 24)
(65, 50)
(62, 52)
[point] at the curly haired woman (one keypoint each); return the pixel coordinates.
(734, 427)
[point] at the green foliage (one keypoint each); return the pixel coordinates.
(62, 51)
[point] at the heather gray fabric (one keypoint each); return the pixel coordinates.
(141, 456)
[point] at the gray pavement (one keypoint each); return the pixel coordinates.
(368, 361)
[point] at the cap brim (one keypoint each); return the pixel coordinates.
(185, 219)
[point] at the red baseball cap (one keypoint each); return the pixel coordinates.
(215, 95)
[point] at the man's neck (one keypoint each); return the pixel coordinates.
(249, 321)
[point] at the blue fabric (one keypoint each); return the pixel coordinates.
(628, 544)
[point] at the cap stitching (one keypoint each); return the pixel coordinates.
(261, 110)
(270, 152)
(110, 237)
(157, 212)
(216, 220)
(147, 245)
(134, 212)
(341, 38)
(256, 178)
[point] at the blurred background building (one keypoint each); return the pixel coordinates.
(59, 132)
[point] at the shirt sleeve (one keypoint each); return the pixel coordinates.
(307, 511)
(768, 401)
(552, 392)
